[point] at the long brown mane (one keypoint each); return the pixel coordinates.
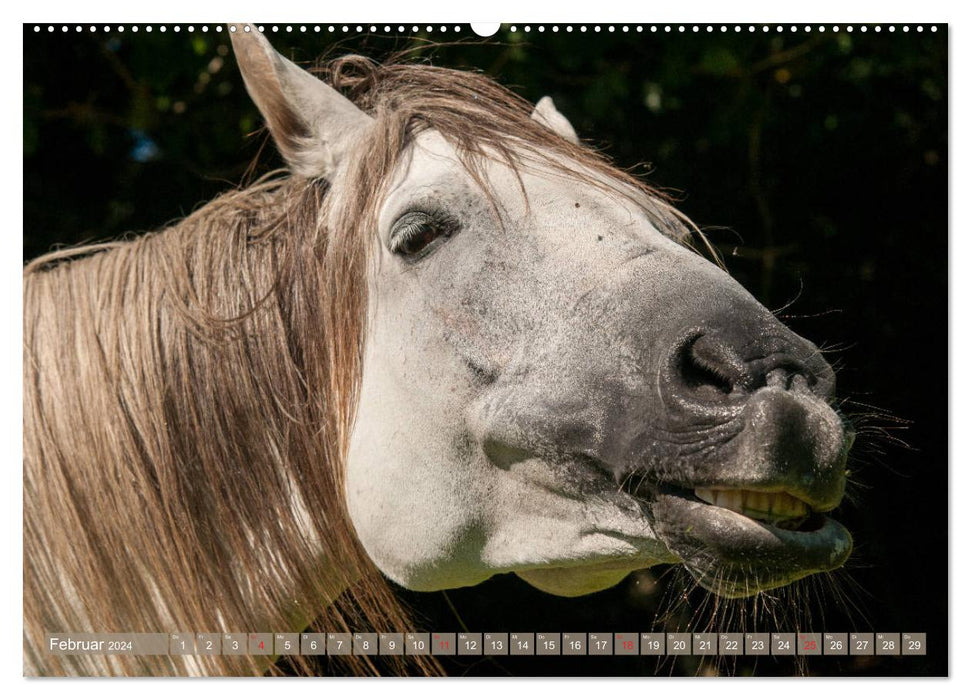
(189, 395)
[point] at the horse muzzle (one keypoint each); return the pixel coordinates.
(750, 515)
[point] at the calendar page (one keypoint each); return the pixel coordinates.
(399, 349)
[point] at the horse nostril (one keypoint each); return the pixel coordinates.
(706, 365)
(711, 366)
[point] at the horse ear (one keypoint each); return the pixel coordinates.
(549, 116)
(312, 124)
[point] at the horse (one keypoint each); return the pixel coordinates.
(448, 341)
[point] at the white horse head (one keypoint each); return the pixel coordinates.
(554, 384)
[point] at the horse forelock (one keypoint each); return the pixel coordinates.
(483, 121)
(189, 395)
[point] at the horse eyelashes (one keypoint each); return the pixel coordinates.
(416, 239)
(415, 232)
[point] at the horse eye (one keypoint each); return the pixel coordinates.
(414, 232)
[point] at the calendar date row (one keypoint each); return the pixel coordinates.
(496, 644)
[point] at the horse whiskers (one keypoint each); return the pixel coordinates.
(798, 607)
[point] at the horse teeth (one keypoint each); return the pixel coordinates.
(756, 504)
(732, 500)
(753, 500)
(706, 495)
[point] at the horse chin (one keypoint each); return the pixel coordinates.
(574, 581)
(736, 556)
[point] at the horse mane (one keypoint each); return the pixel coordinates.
(189, 395)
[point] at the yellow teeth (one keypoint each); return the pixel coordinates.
(755, 504)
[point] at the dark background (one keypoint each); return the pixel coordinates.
(816, 162)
